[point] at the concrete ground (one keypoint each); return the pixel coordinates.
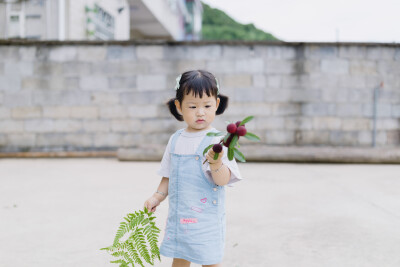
(60, 212)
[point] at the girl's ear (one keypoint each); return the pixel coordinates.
(173, 109)
(223, 104)
(178, 106)
(218, 101)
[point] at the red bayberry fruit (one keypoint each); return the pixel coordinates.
(241, 131)
(238, 122)
(231, 128)
(228, 141)
(217, 148)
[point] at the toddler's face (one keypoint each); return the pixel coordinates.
(198, 112)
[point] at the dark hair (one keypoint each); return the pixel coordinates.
(198, 81)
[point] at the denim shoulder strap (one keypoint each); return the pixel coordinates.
(174, 138)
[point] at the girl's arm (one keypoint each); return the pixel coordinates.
(157, 198)
(220, 173)
(163, 187)
(222, 176)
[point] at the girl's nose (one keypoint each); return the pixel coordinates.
(200, 111)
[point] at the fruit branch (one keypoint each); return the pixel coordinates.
(231, 138)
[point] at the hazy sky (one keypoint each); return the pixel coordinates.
(319, 20)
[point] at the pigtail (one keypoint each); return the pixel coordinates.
(173, 110)
(223, 104)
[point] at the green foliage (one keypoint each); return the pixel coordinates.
(219, 26)
(233, 142)
(207, 148)
(238, 155)
(252, 136)
(216, 156)
(141, 244)
(215, 134)
(246, 120)
(230, 153)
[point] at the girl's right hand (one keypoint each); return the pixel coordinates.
(151, 204)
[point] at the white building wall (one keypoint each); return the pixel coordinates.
(76, 20)
(2, 21)
(77, 17)
(301, 94)
(168, 18)
(42, 19)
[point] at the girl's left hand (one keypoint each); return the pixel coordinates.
(210, 156)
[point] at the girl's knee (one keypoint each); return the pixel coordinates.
(213, 265)
(180, 263)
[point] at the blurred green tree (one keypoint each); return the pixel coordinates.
(219, 26)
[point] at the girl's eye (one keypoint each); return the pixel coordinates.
(206, 107)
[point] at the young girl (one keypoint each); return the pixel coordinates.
(195, 230)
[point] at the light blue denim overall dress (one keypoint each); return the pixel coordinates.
(195, 229)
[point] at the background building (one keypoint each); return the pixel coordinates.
(166, 19)
(65, 20)
(100, 19)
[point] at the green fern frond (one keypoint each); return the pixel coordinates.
(147, 230)
(153, 238)
(145, 221)
(123, 228)
(142, 242)
(132, 221)
(134, 254)
(123, 254)
(123, 263)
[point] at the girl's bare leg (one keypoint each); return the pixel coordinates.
(180, 263)
(214, 265)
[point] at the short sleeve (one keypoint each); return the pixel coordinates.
(232, 165)
(163, 170)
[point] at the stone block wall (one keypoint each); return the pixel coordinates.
(80, 96)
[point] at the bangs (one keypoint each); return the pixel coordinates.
(199, 84)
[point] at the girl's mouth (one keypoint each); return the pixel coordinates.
(200, 121)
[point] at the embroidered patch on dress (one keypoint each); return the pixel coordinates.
(197, 209)
(204, 200)
(188, 220)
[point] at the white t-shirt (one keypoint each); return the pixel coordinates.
(187, 143)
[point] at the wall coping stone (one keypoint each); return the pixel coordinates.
(309, 154)
(11, 42)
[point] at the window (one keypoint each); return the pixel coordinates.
(100, 24)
